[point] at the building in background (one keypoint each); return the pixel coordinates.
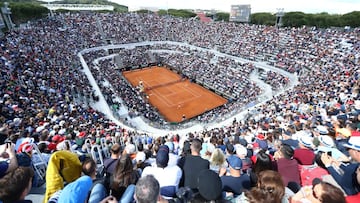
(240, 13)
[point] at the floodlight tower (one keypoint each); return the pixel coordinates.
(167, 20)
(2, 25)
(6, 11)
(279, 16)
(51, 11)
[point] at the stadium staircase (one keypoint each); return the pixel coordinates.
(204, 18)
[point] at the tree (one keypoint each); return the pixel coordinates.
(351, 19)
(321, 20)
(221, 16)
(143, 11)
(177, 13)
(294, 19)
(263, 19)
(23, 12)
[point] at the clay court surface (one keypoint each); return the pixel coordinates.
(173, 96)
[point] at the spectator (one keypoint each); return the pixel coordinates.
(288, 139)
(230, 149)
(355, 198)
(111, 162)
(217, 162)
(148, 190)
(64, 167)
(242, 152)
(24, 155)
(346, 180)
(124, 176)
(186, 151)
(9, 160)
(173, 158)
(209, 150)
(209, 187)
(263, 162)
(76, 191)
(130, 150)
(79, 189)
(15, 185)
(270, 188)
(304, 154)
(3, 135)
(98, 190)
(140, 157)
(261, 140)
(286, 165)
(193, 165)
(235, 182)
(167, 176)
(89, 168)
(326, 144)
(320, 192)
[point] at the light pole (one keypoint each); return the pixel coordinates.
(279, 15)
(6, 11)
(167, 20)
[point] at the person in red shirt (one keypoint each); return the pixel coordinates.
(286, 165)
(304, 155)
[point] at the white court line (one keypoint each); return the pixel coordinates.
(171, 104)
(192, 91)
(162, 98)
(194, 94)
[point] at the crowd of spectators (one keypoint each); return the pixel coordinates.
(45, 99)
(276, 81)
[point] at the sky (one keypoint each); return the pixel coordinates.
(306, 6)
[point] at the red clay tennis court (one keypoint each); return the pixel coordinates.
(172, 95)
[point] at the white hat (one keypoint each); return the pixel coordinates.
(301, 133)
(306, 141)
(354, 141)
(280, 118)
(61, 146)
(140, 156)
(62, 131)
(39, 129)
(210, 147)
(322, 130)
(17, 121)
(62, 123)
(240, 150)
(52, 133)
(130, 149)
(326, 140)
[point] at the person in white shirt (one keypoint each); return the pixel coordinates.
(168, 176)
(173, 158)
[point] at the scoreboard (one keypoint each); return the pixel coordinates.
(240, 13)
